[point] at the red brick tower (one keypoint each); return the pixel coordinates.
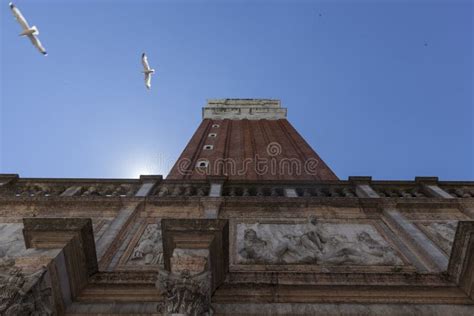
(248, 139)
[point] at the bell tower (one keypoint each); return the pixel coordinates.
(248, 139)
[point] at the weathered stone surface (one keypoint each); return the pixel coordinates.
(149, 249)
(461, 264)
(11, 240)
(432, 255)
(343, 309)
(442, 233)
(23, 293)
(192, 260)
(184, 293)
(313, 243)
(238, 109)
(187, 288)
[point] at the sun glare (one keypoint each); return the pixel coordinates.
(145, 165)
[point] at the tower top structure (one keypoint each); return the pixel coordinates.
(239, 109)
(248, 139)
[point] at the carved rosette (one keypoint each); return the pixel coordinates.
(21, 293)
(184, 293)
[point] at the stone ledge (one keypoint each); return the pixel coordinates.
(238, 109)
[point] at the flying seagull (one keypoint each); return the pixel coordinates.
(31, 32)
(147, 71)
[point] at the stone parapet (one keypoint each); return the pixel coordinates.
(238, 109)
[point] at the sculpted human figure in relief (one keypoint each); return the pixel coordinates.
(315, 243)
(21, 293)
(149, 249)
(304, 247)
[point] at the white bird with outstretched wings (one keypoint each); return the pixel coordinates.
(147, 70)
(31, 32)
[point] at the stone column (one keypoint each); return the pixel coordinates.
(196, 262)
(187, 288)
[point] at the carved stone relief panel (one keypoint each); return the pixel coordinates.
(11, 240)
(313, 243)
(148, 250)
(441, 232)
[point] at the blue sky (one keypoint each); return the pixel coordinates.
(377, 88)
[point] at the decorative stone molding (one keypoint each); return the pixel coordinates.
(238, 109)
(252, 190)
(326, 191)
(50, 188)
(181, 190)
(109, 190)
(39, 189)
(461, 191)
(19, 189)
(397, 192)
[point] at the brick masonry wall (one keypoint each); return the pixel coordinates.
(251, 150)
